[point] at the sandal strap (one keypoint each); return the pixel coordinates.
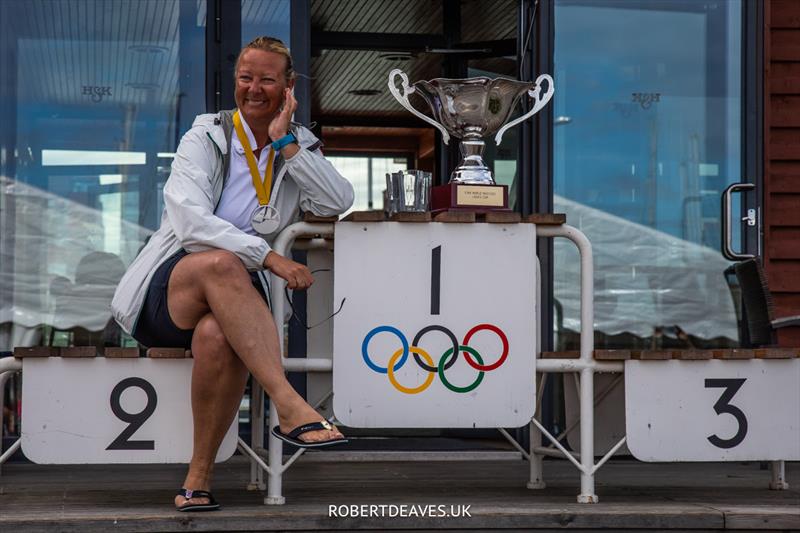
(189, 494)
(305, 428)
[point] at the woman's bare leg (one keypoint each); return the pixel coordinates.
(218, 381)
(217, 282)
(211, 292)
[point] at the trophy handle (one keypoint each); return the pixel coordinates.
(541, 101)
(403, 99)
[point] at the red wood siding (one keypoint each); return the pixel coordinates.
(782, 159)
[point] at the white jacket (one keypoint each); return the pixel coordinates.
(193, 191)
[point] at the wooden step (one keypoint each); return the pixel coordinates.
(410, 216)
(455, 216)
(37, 351)
(311, 217)
(168, 353)
(546, 219)
(500, 217)
(365, 216)
(690, 354)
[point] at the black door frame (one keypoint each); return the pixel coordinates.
(753, 121)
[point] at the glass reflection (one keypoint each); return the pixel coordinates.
(646, 138)
(266, 17)
(367, 173)
(96, 95)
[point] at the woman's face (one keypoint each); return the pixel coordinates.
(260, 84)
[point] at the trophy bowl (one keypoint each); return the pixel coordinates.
(470, 109)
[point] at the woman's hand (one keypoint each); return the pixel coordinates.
(297, 276)
(279, 126)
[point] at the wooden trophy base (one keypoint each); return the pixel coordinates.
(469, 197)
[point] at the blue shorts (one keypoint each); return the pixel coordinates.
(155, 328)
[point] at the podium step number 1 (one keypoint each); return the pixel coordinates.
(438, 325)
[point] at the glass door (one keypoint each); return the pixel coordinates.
(647, 136)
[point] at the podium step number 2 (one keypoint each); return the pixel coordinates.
(98, 410)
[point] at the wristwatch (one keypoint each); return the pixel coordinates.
(283, 141)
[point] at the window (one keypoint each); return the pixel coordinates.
(368, 176)
(96, 95)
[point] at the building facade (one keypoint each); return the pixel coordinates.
(782, 159)
(660, 106)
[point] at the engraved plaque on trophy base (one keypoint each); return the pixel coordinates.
(469, 197)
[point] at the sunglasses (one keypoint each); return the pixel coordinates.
(296, 316)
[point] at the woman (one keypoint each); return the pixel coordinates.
(238, 179)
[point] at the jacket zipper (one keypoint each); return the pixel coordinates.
(222, 162)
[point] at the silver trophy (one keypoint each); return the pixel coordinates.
(470, 109)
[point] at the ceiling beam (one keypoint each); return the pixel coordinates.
(396, 121)
(413, 43)
(379, 143)
(385, 42)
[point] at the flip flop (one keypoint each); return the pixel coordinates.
(292, 436)
(212, 504)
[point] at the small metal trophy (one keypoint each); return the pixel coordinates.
(470, 109)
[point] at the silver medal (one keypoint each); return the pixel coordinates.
(265, 219)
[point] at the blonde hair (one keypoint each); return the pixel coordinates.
(269, 44)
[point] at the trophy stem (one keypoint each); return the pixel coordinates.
(472, 169)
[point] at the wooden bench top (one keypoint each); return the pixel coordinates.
(599, 355)
(682, 354)
(93, 351)
(456, 217)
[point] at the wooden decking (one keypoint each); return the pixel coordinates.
(599, 355)
(633, 496)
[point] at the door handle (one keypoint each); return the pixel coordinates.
(727, 229)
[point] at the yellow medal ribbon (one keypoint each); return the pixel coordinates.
(263, 188)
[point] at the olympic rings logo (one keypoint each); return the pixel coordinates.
(447, 359)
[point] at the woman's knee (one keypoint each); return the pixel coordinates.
(209, 345)
(225, 265)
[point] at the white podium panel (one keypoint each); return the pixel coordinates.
(717, 410)
(99, 410)
(438, 325)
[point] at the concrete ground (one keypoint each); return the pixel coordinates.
(633, 496)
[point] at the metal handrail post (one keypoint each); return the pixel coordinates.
(11, 451)
(281, 246)
(10, 364)
(275, 462)
(535, 459)
(3, 380)
(565, 366)
(256, 434)
(8, 367)
(778, 481)
(587, 494)
(536, 478)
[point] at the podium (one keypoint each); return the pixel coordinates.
(105, 410)
(438, 328)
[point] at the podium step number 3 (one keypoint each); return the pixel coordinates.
(716, 410)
